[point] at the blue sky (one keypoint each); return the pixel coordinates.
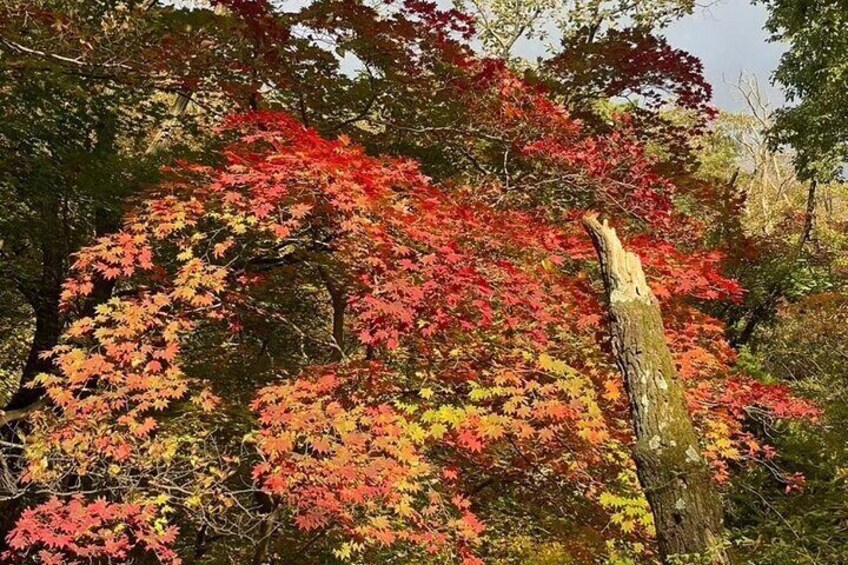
(729, 38)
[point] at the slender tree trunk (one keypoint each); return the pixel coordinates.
(809, 217)
(338, 301)
(675, 478)
(48, 319)
(48, 326)
(265, 534)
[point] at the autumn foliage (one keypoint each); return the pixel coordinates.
(73, 531)
(470, 343)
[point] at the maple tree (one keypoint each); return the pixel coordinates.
(471, 335)
(106, 72)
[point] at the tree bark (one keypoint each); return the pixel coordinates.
(674, 477)
(265, 534)
(338, 301)
(809, 217)
(48, 325)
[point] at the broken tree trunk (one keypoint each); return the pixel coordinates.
(673, 475)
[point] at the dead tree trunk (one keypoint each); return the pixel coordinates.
(675, 478)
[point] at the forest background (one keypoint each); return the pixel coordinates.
(321, 282)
